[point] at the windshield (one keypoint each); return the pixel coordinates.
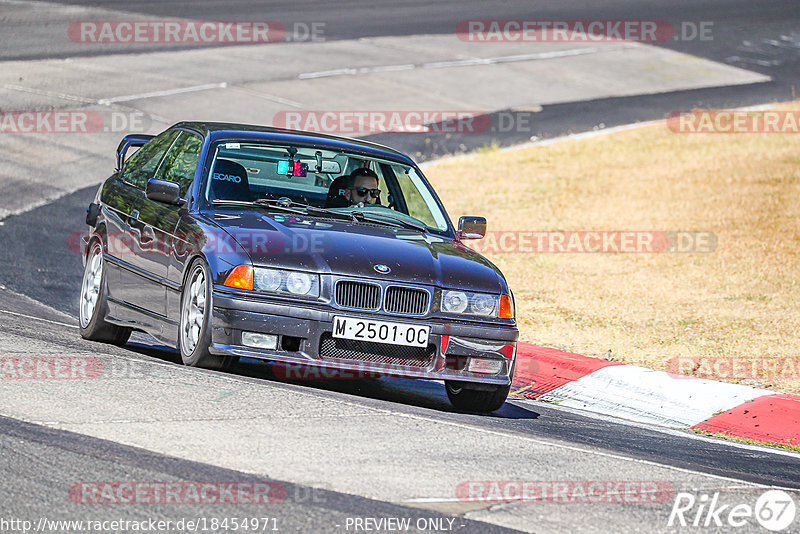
(339, 181)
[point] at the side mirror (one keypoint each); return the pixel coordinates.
(164, 191)
(471, 227)
(133, 140)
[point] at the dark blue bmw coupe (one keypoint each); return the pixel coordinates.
(230, 241)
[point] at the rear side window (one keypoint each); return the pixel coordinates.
(142, 165)
(180, 163)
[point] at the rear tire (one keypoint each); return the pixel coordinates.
(194, 334)
(92, 307)
(469, 400)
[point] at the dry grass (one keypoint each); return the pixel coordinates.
(722, 435)
(741, 301)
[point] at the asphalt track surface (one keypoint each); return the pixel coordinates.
(50, 460)
(38, 461)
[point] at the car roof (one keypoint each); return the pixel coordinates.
(222, 130)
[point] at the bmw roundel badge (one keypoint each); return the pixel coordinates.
(383, 269)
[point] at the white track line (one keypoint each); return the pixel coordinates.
(580, 136)
(52, 94)
(614, 129)
(267, 96)
(456, 63)
(168, 92)
(681, 433)
(38, 318)
(577, 448)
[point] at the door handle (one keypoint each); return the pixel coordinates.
(147, 237)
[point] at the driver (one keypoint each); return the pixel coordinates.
(362, 186)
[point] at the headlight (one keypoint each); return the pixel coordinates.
(454, 302)
(281, 281)
(466, 303)
(484, 304)
(299, 283)
(267, 279)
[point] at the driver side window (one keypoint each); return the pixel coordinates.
(142, 165)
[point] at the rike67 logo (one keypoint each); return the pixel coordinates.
(774, 510)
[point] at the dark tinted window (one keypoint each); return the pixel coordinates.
(181, 161)
(142, 165)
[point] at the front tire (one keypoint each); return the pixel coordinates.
(476, 400)
(195, 326)
(93, 306)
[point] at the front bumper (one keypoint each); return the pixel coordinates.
(452, 347)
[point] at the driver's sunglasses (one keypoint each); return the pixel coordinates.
(362, 191)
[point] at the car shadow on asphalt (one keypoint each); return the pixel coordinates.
(427, 394)
(153, 349)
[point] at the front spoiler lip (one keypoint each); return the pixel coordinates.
(364, 369)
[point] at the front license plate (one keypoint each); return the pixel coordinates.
(381, 332)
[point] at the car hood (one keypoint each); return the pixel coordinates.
(354, 249)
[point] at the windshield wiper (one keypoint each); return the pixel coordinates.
(396, 221)
(287, 204)
(290, 206)
(258, 202)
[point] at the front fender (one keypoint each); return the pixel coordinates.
(197, 237)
